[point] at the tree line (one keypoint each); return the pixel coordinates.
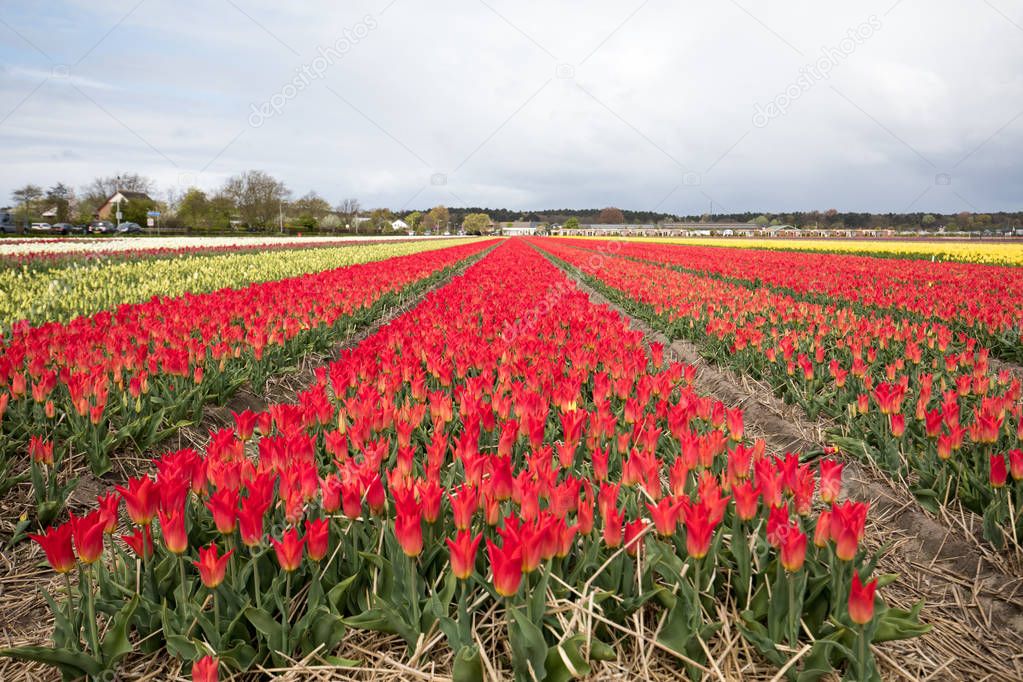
(256, 200)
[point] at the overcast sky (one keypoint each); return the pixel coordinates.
(870, 106)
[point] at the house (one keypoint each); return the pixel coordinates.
(518, 228)
(113, 204)
(399, 225)
(50, 213)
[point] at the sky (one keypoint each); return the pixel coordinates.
(678, 107)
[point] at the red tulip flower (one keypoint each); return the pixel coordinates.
(861, 600)
(665, 515)
(822, 532)
(205, 669)
(141, 498)
(172, 528)
(88, 535)
(793, 549)
(408, 530)
(212, 567)
(1016, 463)
(108, 505)
(998, 472)
(140, 541)
(831, 480)
(317, 537)
(56, 543)
(506, 563)
(41, 450)
(633, 532)
(463, 553)
(699, 530)
(733, 418)
(747, 499)
(898, 424)
(250, 521)
(223, 505)
(289, 550)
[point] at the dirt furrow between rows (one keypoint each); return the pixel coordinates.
(976, 608)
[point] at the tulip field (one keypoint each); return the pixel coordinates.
(501, 467)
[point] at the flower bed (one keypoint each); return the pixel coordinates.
(506, 444)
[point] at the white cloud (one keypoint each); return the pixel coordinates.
(654, 93)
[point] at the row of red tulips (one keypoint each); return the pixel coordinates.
(993, 309)
(917, 398)
(128, 377)
(591, 472)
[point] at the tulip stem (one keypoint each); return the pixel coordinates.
(216, 612)
(90, 610)
(181, 574)
(70, 598)
(255, 578)
(286, 616)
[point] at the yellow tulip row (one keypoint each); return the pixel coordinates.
(60, 294)
(991, 253)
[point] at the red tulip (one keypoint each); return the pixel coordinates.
(735, 424)
(88, 535)
(506, 563)
(665, 515)
(211, 567)
(699, 530)
(822, 532)
(317, 536)
(289, 550)
(847, 522)
(898, 424)
(747, 499)
(250, 520)
(108, 505)
(613, 521)
(205, 669)
(223, 505)
(633, 533)
(831, 480)
(793, 550)
(408, 530)
(463, 553)
(56, 543)
(1016, 464)
(141, 498)
(861, 600)
(464, 504)
(40, 450)
(998, 471)
(172, 528)
(140, 541)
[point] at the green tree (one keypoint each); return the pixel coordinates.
(436, 219)
(928, 220)
(24, 197)
(194, 209)
(413, 219)
(572, 223)
(476, 223)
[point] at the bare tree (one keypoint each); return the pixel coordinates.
(611, 216)
(348, 210)
(257, 196)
